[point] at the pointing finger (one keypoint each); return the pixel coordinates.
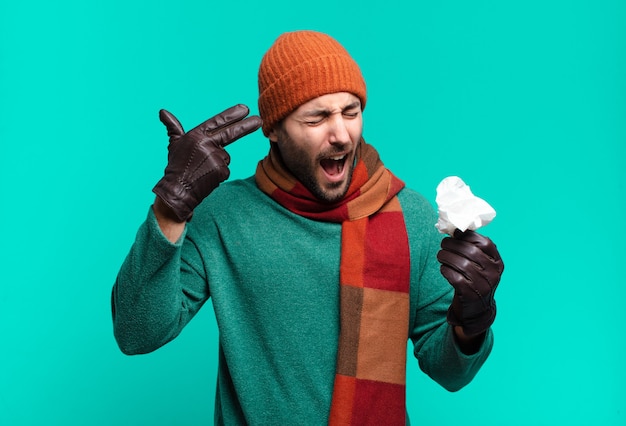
(237, 130)
(223, 119)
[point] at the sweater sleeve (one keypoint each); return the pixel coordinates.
(435, 345)
(158, 290)
(439, 355)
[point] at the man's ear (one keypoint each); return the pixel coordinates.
(273, 135)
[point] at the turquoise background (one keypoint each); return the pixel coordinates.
(525, 100)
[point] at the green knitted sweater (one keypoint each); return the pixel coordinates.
(273, 280)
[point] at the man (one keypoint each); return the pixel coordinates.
(320, 267)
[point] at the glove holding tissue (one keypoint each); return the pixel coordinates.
(469, 261)
(459, 208)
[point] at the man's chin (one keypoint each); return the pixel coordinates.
(332, 192)
(325, 191)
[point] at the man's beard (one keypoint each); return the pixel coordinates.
(304, 170)
(307, 178)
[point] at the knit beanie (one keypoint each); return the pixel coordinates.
(301, 66)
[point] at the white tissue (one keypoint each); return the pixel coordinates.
(459, 208)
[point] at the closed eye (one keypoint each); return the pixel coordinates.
(314, 122)
(353, 110)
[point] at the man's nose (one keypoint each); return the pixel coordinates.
(338, 129)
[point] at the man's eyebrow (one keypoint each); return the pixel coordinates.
(323, 111)
(316, 112)
(355, 104)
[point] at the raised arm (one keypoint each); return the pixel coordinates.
(158, 290)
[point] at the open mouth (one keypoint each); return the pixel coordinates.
(334, 166)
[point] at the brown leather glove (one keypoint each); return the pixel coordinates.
(472, 265)
(197, 161)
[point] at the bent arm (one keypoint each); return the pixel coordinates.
(446, 355)
(156, 292)
(438, 351)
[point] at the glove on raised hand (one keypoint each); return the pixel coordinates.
(472, 265)
(197, 161)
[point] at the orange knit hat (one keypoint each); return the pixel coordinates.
(301, 66)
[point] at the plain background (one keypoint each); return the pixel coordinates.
(525, 100)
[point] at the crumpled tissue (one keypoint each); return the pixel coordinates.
(459, 208)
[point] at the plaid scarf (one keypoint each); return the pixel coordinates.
(374, 285)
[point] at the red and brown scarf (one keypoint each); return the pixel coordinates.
(374, 285)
